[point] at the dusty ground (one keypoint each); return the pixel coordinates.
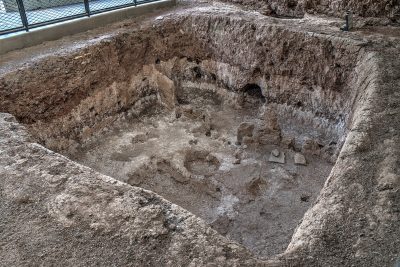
(335, 93)
(234, 188)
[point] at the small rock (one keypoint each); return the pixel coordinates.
(277, 159)
(238, 153)
(223, 139)
(160, 18)
(311, 146)
(305, 198)
(193, 142)
(387, 181)
(287, 142)
(214, 134)
(247, 140)
(244, 129)
(178, 113)
(299, 159)
(275, 152)
(237, 161)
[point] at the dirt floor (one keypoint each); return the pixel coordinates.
(192, 158)
(206, 135)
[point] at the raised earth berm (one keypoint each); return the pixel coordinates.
(238, 119)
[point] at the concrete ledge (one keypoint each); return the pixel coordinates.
(55, 31)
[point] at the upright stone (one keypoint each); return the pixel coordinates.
(299, 159)
(245, 129)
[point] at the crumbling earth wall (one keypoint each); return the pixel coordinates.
(57, 211)
(387, 9)
(306, 77)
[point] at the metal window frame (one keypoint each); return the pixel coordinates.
(26, 26)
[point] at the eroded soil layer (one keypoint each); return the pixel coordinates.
(244, 138)
(208, 102)
(192, 157)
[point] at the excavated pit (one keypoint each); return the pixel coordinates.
(243, 136)
(192, 156)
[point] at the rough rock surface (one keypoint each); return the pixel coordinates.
(345, 85)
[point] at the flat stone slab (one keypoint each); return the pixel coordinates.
(299, 159)
(277, 159)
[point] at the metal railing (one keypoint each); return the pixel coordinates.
(23, 15)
